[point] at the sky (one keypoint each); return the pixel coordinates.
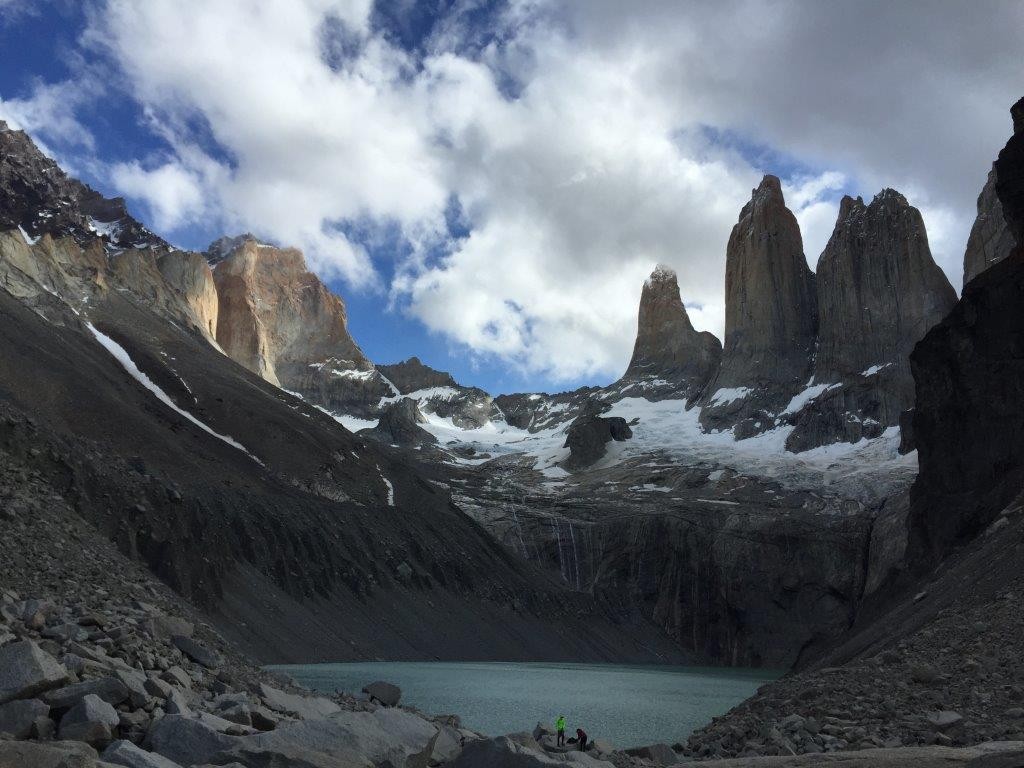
(487, 183)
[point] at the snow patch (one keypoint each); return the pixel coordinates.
(390, 487)
(874, 369)
(121, 355)
(727, 395)
(803, 398)
(29, 240)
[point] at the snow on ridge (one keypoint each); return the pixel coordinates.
(121, 355)
(800, 399)
(727, 395)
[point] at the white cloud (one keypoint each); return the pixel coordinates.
(49, 113)
(594, 172)
(173, 194)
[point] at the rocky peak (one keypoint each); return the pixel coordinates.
(990, 240)
(412, 375)
(278, 319)
(667, 347)
(224, 246)
(37, 196)
(771, 312)
(879, 290)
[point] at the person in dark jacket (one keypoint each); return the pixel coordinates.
(581, 739)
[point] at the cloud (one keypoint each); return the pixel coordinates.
(571, 136)
(49, 114)
(172, 193)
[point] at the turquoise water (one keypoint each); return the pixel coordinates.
(627, 705)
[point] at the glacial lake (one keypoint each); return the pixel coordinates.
(627, 705)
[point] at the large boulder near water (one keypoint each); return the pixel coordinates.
(387, 694)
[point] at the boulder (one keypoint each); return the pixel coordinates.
(668, 350)
(307, 707)
(944, 720)
(26, 671)
(18, 717)
(387, 694)
(110, 689)
(91, 720)
(200, 654)
(588, 436)
(59, 754)
(661, 754)
(502, 752)
(162, 627)
(399, 424)
(385, 737)
(187, 741)
(129, 755)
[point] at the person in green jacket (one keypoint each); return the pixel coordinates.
(560, 727)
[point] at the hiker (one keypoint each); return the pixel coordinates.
(581, 739)
(560, 727)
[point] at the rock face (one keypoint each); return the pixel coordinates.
(400, 425)
(277, 318)
(968, 423)
(36, 195)
(771, 317)
(991, 240)
(437, 392)
(191, 276)
(879, 291)
(588, 438)
(668, 352)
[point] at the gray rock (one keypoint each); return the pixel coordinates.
(990, 240)
(200, 654)
(127, 754)
(178, 676)
(308, 707)
(162, 627)
(667, 347)
(588, 436)
(18, 717)
(504, 753)
(26, 671)
(661, 754)
(771, 317)
(188, 741)
(176, 703)
(384, 737)
(944, 720)
(157, 688)
(109, 689)
(399, 424)
(387, 694)
(91, 720)
(25, 754)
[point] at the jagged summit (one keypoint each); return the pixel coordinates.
(667, 348)
(39, 198)
(224, 246)
(879, 291)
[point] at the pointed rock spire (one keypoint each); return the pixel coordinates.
(667, 346)
(771, 313)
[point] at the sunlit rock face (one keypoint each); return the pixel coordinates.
(669, 354)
